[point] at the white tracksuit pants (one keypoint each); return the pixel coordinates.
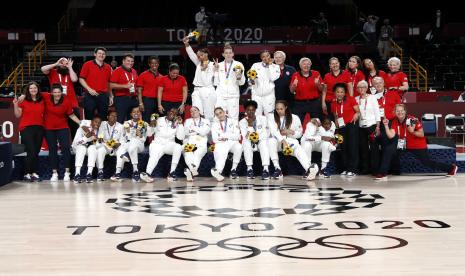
(205, 99)
(324, 147)
(266, 104)
(262, 148)
(194, 158)
(80, 153)
(133, 147)
(298, 152)
(221, 153)
(101, 154)
(158, 149)
(230, 106)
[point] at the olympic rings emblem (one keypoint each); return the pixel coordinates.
(251, 251)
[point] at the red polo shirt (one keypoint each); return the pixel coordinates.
(395, 80)
(32, 114)
(306, 87)
(56, 116)
(369, 78)
(413, 142)
(172, 89)
(330, 80)
(355, 78)
(97, 77)
(65, 80)
(388, 102)
(122, 76)
(344, 109)
(149, 83)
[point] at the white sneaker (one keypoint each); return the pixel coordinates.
(344, 173)
(312, 172)
(54, 177)
(66, 177)
(217, 175)
(27, 177)
(188, 175)
(351, 174)
(144, 176)
(194, 171)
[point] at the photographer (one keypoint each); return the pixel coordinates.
(408, 131)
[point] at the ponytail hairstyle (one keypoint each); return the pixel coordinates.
(287, 115)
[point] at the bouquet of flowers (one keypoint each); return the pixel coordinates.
(190, 148)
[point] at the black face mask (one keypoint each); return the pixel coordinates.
(62, 71)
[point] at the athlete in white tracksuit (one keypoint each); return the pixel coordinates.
(286, 134)
(263, 86)
(318, 138)
(226, 134)
(259, 124)
(85, 143)
(196, 130)
(229, 75)
(204, 95)
(168, 128)
(135, 137)
(111, 130)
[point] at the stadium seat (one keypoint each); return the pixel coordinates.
(429, 123)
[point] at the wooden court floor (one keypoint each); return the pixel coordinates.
(408, 225)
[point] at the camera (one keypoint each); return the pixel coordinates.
(411, 121)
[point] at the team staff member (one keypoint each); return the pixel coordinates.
(123, 82)
(354, 66)
(335, 75)
(263, 86)
(253, 123)
(229, 75)
(57, 111)
(94, 77)
(62, 72)
(31, 127)
(147, 88)
(281, 89)
(371, 72)
(204, 95)
(306, 86)
(172, 91)
(408, 131)
(395, 79)
(346, 112)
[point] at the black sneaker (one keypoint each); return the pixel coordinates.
(136, 176)
(172, 176)
(89, 178)
(35, 178)
(116, 177)
(265, 175)
(234, 174)
(100, 176)
(278, 174)
(77, 178)
(250, 174)
(325, 173)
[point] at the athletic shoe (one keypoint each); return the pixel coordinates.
(35, 177)
(146, 177)
(54, 177)
(265, 175)
(136, 176)
(216, 174)
(325, 173)
(343, 173)
(250, 174)
(351, 174)
(89, 178)
(312, 172)
(189, 175)
(453, 171)
(380, 177)
(278, 174)
(77, 178)
(27, 177)
(100, 176)
(194, 170)
(116, 177)
(67, 177)
(234, 174)
(172, 176)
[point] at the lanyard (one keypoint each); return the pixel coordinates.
(366, 101)
(255, 125)
(112, 132)
(227, 71)
(132, 77)
(405, 129)
(342, 110)
(200, 121)
(225, 125)
(283, 124)
(66, 79)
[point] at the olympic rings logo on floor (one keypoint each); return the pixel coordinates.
(346, 249)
